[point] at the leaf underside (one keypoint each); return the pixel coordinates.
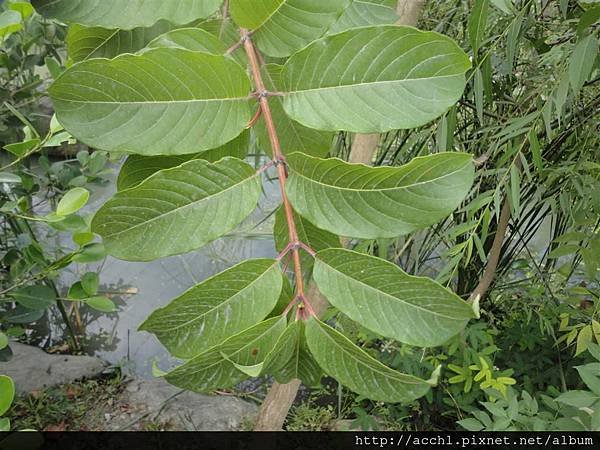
(215, 368)
(126, 14)
(355, 200)
(380, 296)
(220, 306)
(138, 168)
(354, 368)
(374, 79)
(282, 27)
(162, 101)
(178, 210)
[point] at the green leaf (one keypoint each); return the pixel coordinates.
(23, 315)
(23, 8)
(588, 18)
(582, 61)
(138, 168)
(97, 42)
(578, 399)
(364, 202)
(477, 23)
(217, 308)
(129, 15)
(590, 374)
(309, 234)
(72, 201)
(290, 358)
(194, 39)
(283, 26)
(471, 424)
(361, 13)
(7, 393)
(162, 101)
(102, 304)
(354, 368)
(178, 210)
(37, 297)
(90, 253)
(380, 296)
(22, 148)
(293, 137)
(3, 341)
(374, 79)
(215, 368)
(10, 21)
(90, 283)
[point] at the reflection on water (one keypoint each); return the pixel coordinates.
(140, 288)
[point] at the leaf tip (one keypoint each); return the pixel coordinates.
(435, 376)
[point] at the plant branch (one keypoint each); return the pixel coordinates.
(263, 99)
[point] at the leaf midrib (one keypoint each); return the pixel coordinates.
(373, 368)
(409, 186)
(176, 210)
(411, 305)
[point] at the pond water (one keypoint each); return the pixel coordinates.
(140, 288)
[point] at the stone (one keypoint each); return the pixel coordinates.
(32, 369)
(158, 404)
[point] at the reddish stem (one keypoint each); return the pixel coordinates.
(263, 99)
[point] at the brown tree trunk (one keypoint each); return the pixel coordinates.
(280, 398)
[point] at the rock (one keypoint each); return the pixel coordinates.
(32, 369)
(152, 404)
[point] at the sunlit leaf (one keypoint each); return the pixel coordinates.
(374, 79)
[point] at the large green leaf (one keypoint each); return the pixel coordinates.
(218, 307)
(283, 26)
(36, 297)
(216, 367)
(138, 168)
(126, 14)
(290, 358)
(312, 236)
(380, 296)
(163, 101)
(97, 42)
(354, 368)
(178, 210)
(362, 13)
(364, 202)
(293, 136)
(374, 79)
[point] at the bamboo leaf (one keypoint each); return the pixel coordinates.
(293, 137)
(97, 42)
(163, 101)
(374, 79)
(126, 14)
(359, 201)
(290, 358)
(477, 23)
(178, 210)
(309, 234)
(283, 26)
(362, 13)
(582, 61)
(380, 296)
(220, 306)
(138, 168)
(216, 368)
(361, 373)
